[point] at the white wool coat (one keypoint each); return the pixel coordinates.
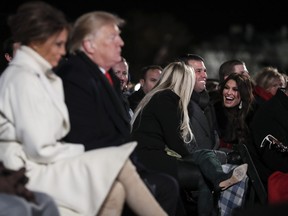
(33, 119)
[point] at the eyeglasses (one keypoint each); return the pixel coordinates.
(273, 143)
(283, 89)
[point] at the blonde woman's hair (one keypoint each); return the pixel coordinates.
(87, 26)
(267, 77)
(179, 78)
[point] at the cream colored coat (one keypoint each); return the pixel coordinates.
(33, 118)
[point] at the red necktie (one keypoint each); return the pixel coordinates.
(109, 77)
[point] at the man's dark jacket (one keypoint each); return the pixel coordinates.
(89, 95)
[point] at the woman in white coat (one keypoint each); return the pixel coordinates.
(34, 119)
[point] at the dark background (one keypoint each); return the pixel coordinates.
(157, 32)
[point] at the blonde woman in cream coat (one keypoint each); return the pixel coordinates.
(34, 119)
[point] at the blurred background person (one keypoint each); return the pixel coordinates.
(271, 119)
(225, 69)
(267, 81)
(148, 78)
(232, 66)
(121, 70)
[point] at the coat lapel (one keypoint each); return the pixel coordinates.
(112, 101)
(50, 81)
(56, 98)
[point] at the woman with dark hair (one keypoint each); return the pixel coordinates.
(233, 110)
(34, 119)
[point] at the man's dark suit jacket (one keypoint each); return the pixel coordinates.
(203, 121)
(135, 98)
(98, 119)
(89, 95)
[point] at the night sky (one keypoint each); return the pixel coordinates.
(211, 16)
(152, 26)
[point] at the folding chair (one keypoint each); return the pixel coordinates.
(256, 192)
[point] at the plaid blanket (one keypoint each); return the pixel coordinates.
(234, 196)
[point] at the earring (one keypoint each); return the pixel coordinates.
(240, 105)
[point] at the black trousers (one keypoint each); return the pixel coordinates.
(201, 172)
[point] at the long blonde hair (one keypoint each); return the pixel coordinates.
(180, 78)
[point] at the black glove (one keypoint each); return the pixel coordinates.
(234, 158)
(13, 182)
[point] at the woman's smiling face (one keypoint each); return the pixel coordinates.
(231, 95)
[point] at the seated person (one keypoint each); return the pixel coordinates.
(34, 119)
(149, 76)
(270, 134)
(166, 142)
